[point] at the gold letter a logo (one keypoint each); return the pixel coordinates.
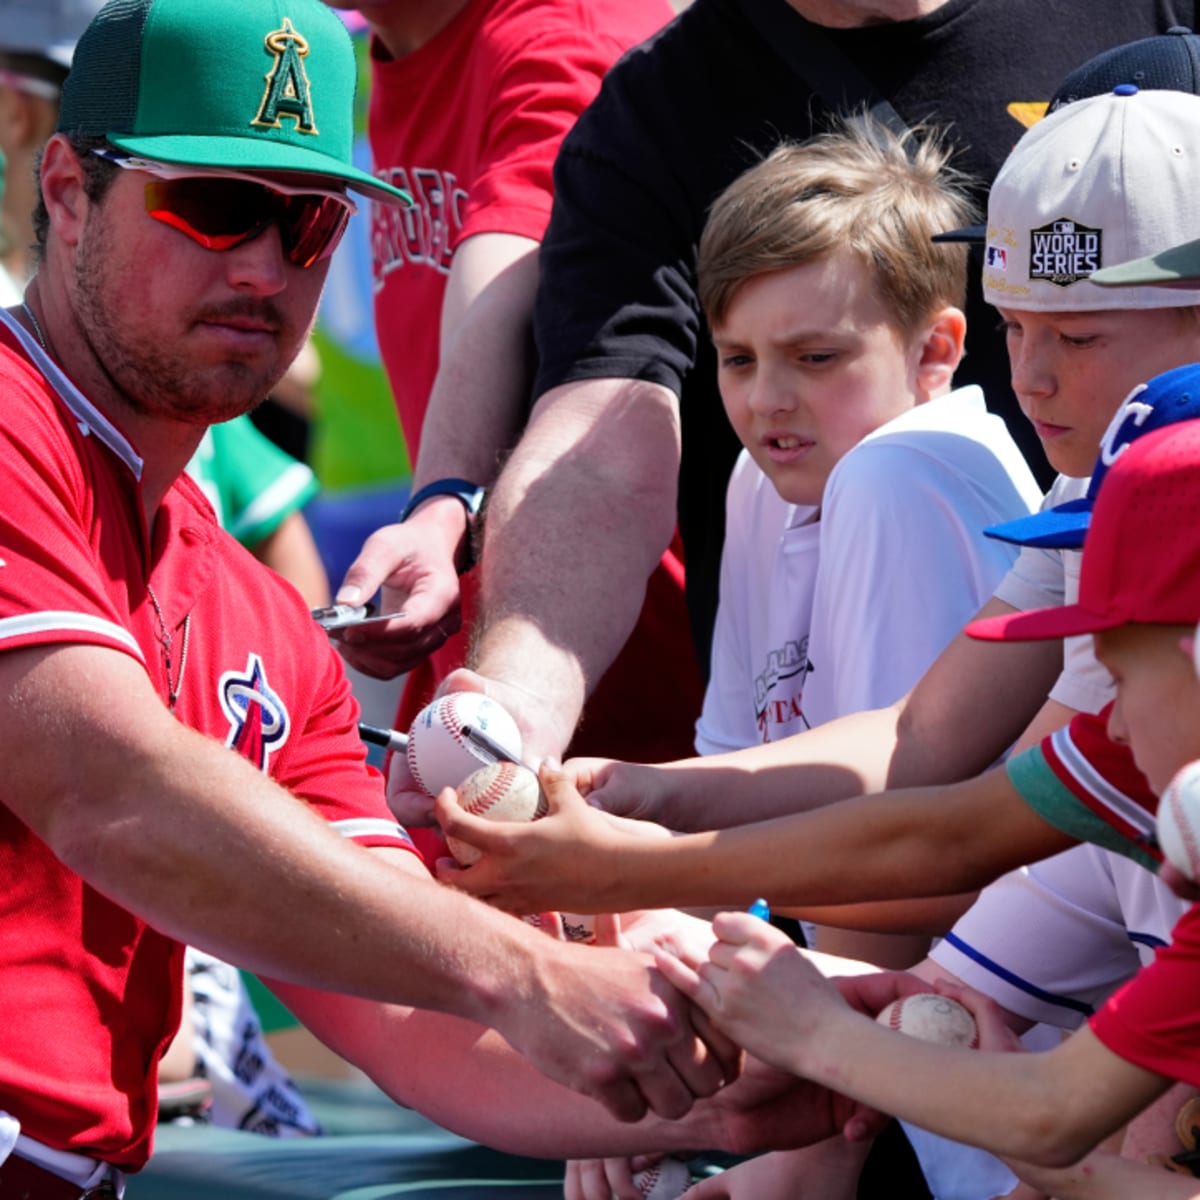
(287, 92)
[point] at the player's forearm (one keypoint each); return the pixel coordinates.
(576, 523)
(176, 828)
(494, 1095)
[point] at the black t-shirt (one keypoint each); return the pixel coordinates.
(680, 117)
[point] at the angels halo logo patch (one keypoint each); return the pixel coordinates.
(1064, 252)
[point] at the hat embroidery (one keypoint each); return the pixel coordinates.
(1064, 252)
(997, 258)
(288, 92)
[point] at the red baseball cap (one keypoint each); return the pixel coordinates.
(1141, 560)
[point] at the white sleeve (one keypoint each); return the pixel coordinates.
(1048, 942)
(903, 565)
(726, 720)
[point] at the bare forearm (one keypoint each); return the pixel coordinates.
(1026, 1106)
(478, 400)
(490, 1094)
(576, 523)
(892, 846)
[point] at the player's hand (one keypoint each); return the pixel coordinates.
(607, 1024)
(545, 731)
(414, 564)
(563, 861)
(410, 804)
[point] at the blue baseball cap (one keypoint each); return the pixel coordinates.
(1167, 399)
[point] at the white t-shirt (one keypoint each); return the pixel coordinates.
(1042, 578)
(834, 610)
(1099, 917)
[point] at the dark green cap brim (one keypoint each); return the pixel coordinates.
(1179, 265)
(254, 154)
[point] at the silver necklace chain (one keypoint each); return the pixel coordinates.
(37, 328)
(167, 642)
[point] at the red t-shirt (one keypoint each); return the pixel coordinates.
(470, 124)
(1154, 1020)
(91, 993)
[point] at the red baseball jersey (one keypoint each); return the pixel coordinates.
(1152, 1020)
(91, 994)
(1082, 782)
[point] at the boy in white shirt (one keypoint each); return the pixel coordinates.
(855, 515)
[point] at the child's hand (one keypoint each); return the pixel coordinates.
(995, 1033)
(757, 988)
(623, 789)
(564, 861)
(606, 1178)
(828, 1170)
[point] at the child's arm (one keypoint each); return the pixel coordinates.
(921, 842)
(1048, 1109)
(1106, 1176)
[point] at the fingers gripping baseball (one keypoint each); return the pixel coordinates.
(536, 866)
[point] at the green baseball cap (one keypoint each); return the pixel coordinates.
(1174, 267)
(248, 85)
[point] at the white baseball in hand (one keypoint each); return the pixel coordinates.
(438, 754)
(932, 1018)
(1179, 821)
(500, 792)
(667, 1179)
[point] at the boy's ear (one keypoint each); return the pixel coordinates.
(940, 350)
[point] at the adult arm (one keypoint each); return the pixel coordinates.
(475, 412)
(171, 825)
(469, 1080)
(578, 518)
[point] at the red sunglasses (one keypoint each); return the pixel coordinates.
(222, 210)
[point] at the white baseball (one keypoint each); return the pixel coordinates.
(500, 791)
(932, 1018)
(438, 754)
(1179, 821)
(667, 1179)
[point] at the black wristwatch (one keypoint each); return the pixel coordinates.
(471, 496)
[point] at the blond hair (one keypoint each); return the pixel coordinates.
(860, 187)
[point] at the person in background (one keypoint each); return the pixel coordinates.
(37, 39)
(469, 103)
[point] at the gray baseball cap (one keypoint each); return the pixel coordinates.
(49, 28)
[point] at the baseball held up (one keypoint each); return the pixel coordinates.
(500, 791)
(929, 1017)
(439, 756)
(1179, 821)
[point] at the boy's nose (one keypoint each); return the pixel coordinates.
(1032, 374)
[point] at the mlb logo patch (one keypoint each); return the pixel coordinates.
(996, 258)
(1064, 252)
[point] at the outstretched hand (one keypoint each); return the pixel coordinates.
(761, 990)
(564, 861)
